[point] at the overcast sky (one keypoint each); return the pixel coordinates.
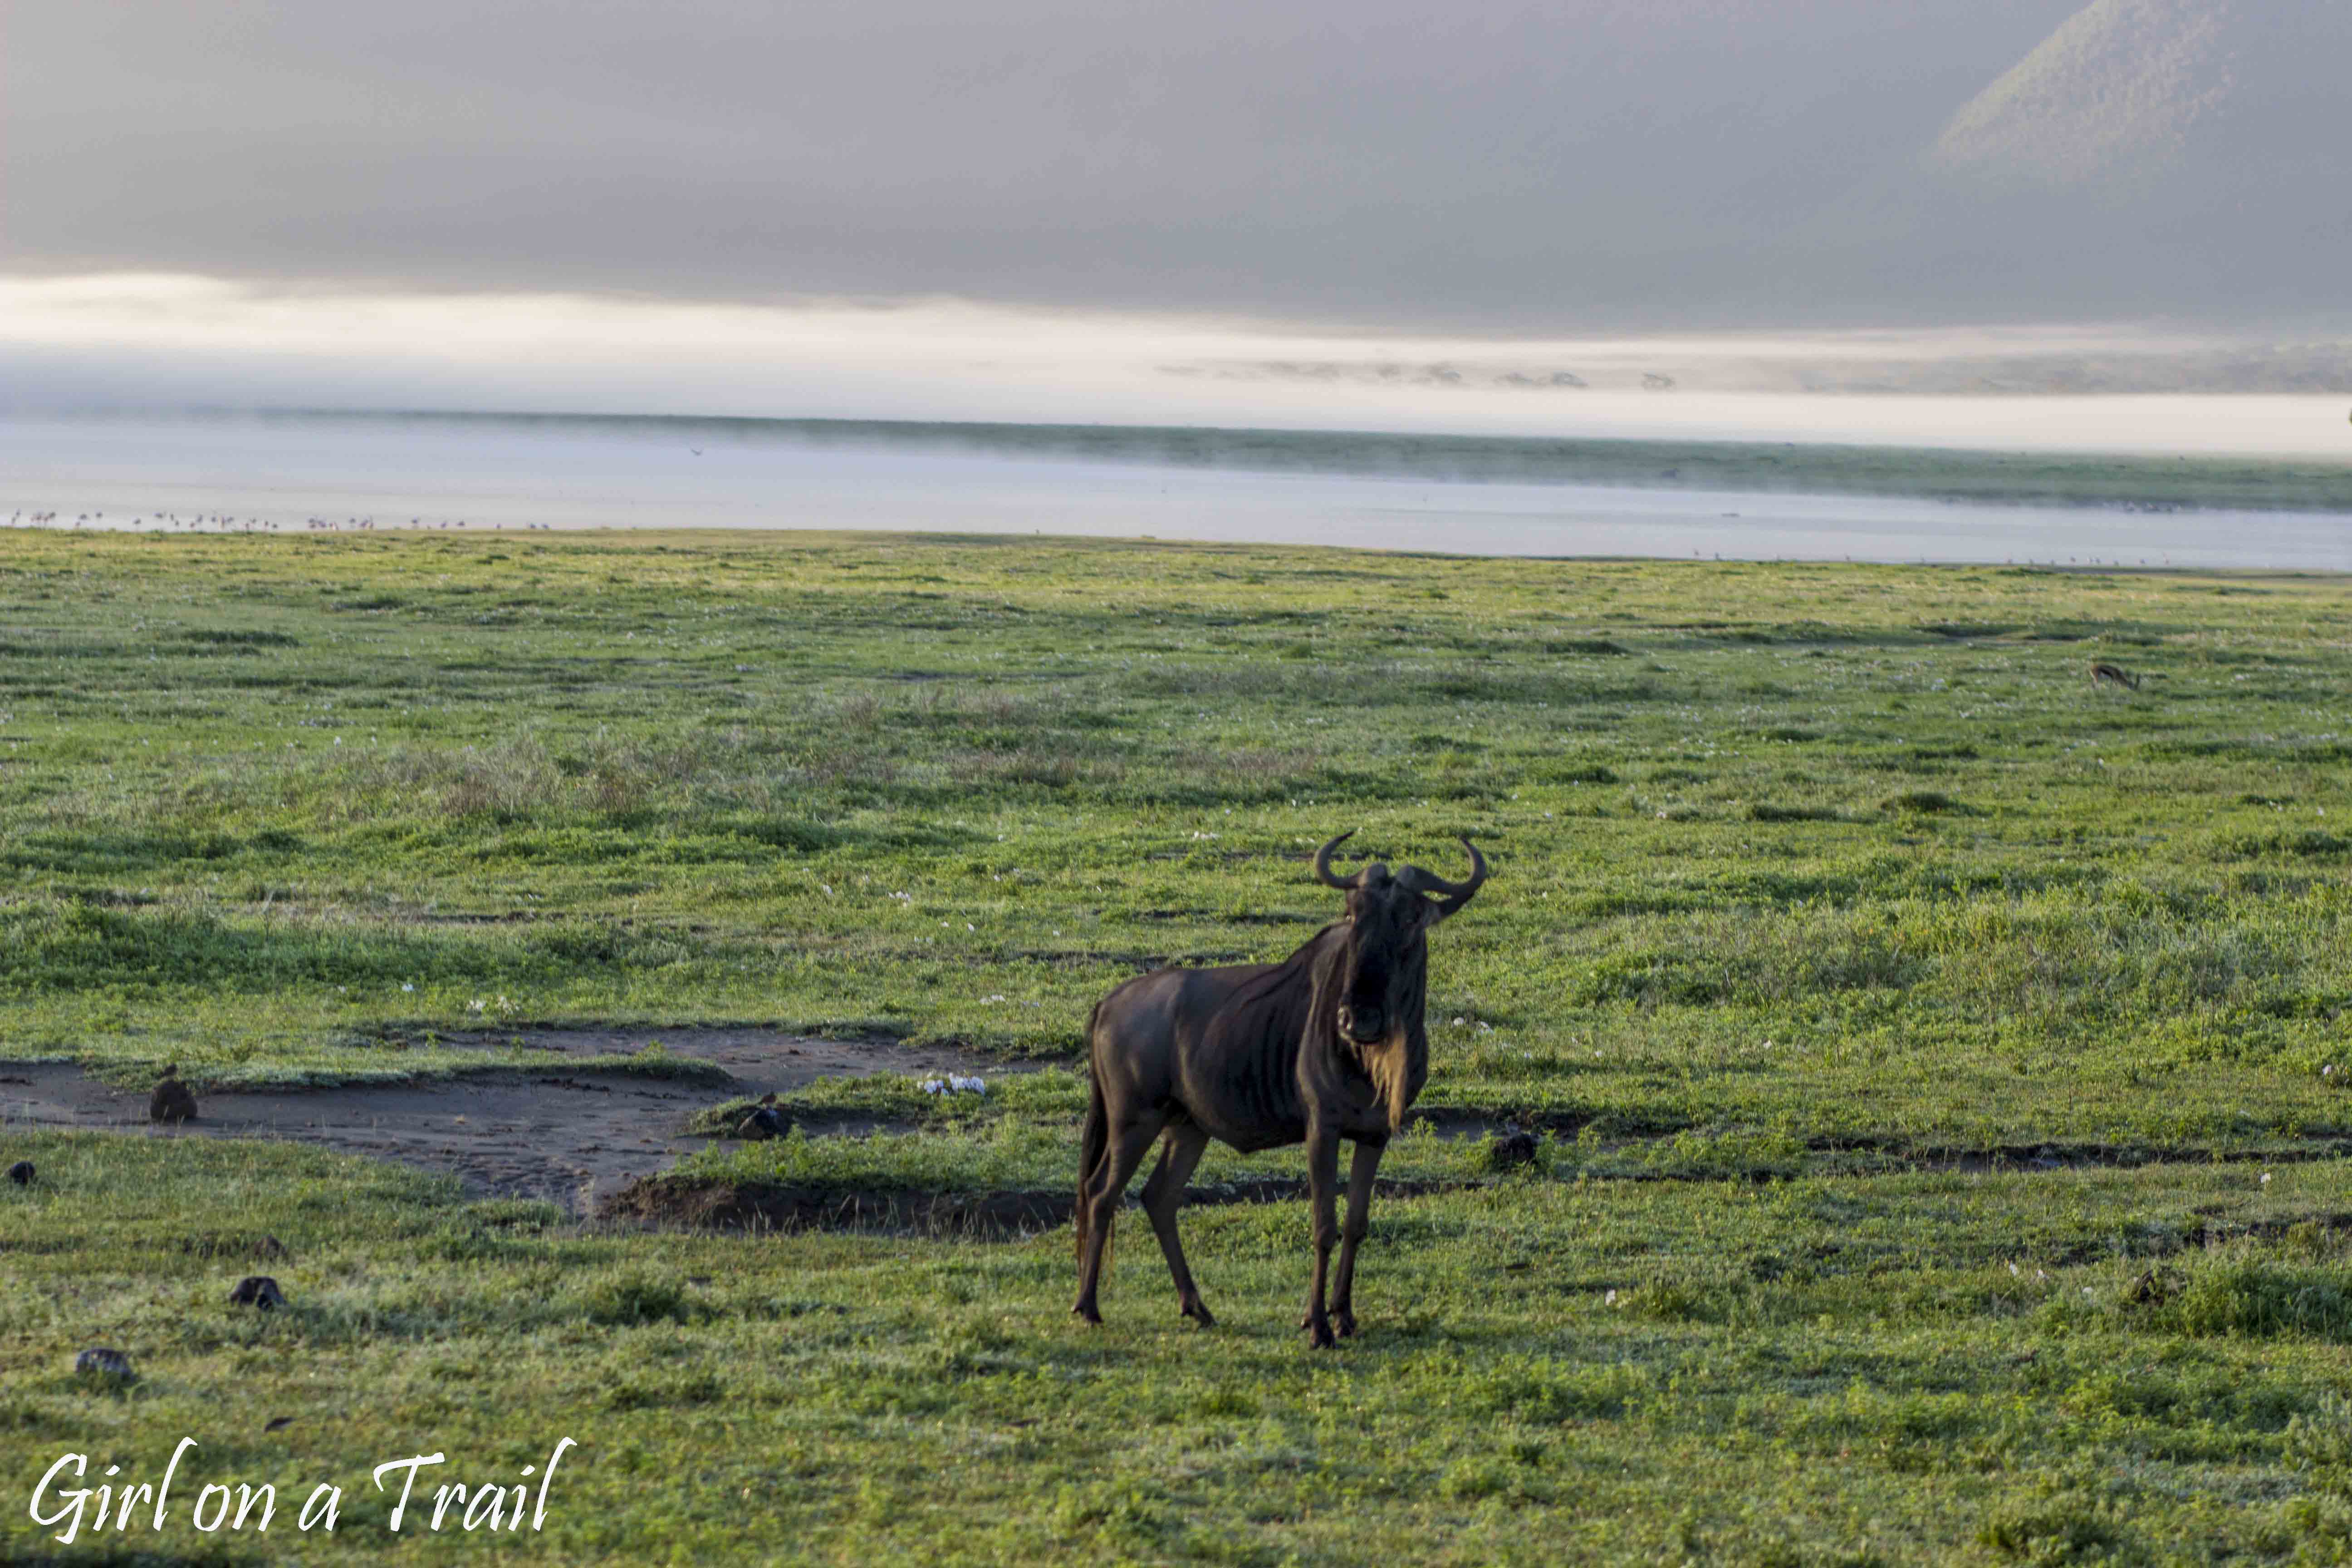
(1393, 162)
(1211, 210)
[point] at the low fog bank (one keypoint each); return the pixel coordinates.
(155, 342)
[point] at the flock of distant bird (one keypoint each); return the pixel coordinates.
(215, 523)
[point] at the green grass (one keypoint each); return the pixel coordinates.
(1828, 904)
(2135, 1366)
(299, 807)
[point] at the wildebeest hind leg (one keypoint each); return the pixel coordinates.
(1129, 1141)
(1163, 1194)
(1351, 1235)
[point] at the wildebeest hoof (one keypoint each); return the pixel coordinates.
(173, 1100)
(21, 1172)
(1343, 1323)
(1198, 1314)
(1085, 1314)
(103, 1362)
(1320, 1337)
(257, 1290)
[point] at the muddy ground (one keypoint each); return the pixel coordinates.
(556, 1132)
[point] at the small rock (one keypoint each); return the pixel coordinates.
(1513, 1150)
(103, 1362)
(173, 1100)
(257, 1290)
(21, 1172)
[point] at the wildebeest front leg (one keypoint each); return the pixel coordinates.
(1322, 1197)
(1163, 1194)
(1351, 1235)
(1130, 1143)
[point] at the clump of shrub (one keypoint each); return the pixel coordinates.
(1927, 803)
(2255, 1296)
(632, 1296)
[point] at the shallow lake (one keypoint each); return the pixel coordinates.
(515, 475)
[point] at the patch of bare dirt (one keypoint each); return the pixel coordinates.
(566, 1133)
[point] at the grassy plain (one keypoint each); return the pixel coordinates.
(1914, 1028)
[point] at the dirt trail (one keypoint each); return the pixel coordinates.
(557, 1132)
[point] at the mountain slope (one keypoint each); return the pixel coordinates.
(2130, 95)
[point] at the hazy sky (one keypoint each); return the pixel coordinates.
(1392, 212)
(1577, 164)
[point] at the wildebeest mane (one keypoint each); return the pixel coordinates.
(1272, 1016)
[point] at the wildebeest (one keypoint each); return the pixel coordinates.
(1328, 1044)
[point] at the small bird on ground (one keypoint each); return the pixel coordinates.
(2105, 674)
(1513, 1150)
(21, 1172)
(259, 1292)
(173, 1100)
(763, 1120)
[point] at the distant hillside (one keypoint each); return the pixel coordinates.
(2131, 97)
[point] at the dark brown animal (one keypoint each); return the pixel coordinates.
(257, 1290)
(2105, 674)
(1328, 1044)
(762, 1121)
(172, 1100)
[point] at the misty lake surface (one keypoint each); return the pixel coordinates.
(515, 474)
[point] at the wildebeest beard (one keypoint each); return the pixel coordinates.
(1371, 980)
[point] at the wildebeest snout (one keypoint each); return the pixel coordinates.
(1363, 1022)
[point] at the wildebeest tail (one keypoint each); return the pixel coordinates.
(1094, 1141)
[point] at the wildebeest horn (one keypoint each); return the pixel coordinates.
(1323, 872)
(1454, 894)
